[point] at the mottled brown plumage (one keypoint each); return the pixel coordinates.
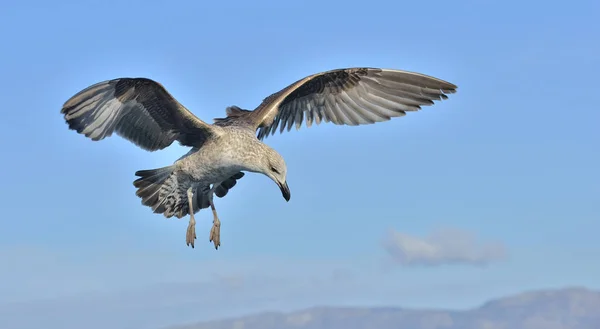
(143, 112)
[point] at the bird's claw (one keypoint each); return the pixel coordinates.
(215, 233)
(190, 235)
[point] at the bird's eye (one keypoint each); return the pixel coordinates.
(274, 170)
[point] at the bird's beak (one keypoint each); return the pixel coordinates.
(285, 191)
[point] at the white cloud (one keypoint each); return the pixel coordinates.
(447, 246)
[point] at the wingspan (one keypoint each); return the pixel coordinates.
(351, 96)
(138, 109)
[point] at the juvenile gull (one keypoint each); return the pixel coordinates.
(143, 112)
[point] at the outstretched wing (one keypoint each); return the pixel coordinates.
(351, 96)
(138, 109)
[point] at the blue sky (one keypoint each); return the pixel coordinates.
(511, 159)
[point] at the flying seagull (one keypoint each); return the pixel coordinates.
(143, 112)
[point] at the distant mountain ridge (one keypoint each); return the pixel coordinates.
(569, 308)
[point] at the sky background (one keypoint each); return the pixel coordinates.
(493, 191)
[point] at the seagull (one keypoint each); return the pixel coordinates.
(142, 111)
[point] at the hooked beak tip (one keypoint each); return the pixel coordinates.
(285, 191)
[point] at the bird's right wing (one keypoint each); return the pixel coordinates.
(138, 109)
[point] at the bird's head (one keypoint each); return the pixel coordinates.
(274, 167)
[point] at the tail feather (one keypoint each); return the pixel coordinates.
(163, 190)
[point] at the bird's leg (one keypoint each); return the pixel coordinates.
(191, 230)
(215, 231)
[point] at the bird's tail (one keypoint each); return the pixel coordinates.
(162, 190)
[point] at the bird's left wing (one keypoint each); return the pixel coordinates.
(350, 96)
(138, 109)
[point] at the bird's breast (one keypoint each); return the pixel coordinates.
(210, 164)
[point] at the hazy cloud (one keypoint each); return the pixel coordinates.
(447, 246)
(151, 288)
(123, 289)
